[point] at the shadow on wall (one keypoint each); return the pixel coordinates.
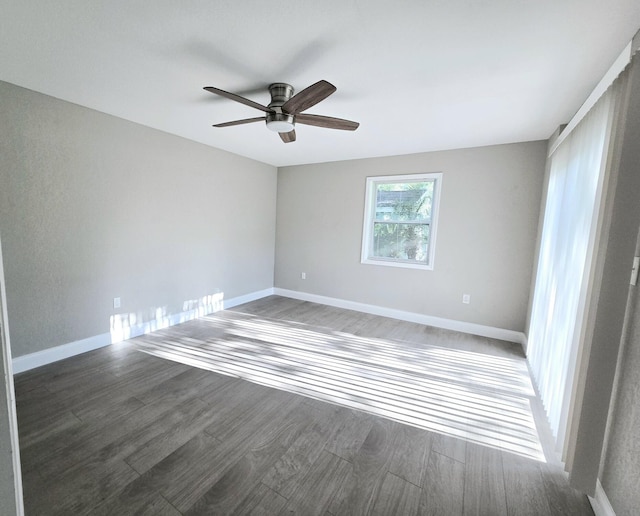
(128, 325)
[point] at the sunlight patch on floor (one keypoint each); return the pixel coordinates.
(482, 398)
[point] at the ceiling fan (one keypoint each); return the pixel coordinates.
(285, 109)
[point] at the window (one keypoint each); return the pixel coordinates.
(400, 220)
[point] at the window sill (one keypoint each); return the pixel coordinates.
(403, 265)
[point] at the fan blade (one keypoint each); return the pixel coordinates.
(240, 122)
(288, 137)
(308, 97)
(327, 121)
(238, 98)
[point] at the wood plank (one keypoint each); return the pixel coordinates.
(139, 497)
(104, 413)
(246, 402)
(76, 491)
(55, 439)
(357, 323)
(453, 447)
(46, 427)
(105, 359)
(123, 389)
(187, 473)
(316, 491)
(410, 454)
(34, 489)
(270, 306)
(35, 405)
(225, 494)
(122, 435)
(397, 497)
(133, 361)
(524, 486)
(265, 447)
(262, 501)
(370, 465)
(190, 383)
(484, 492)
(352, 431)
(300, 312)
(256, 431)
(443, 486)
(173, 436)
(99, 385)
(294, 465)
(92, 378)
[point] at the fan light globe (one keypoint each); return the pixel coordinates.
(280, 126)
(280, 122)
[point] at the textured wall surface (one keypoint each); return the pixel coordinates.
(93, 207)
(621, 469)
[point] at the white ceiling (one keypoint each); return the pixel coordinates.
(419, 75)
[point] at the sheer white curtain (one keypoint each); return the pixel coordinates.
(576, 178)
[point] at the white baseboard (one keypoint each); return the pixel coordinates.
(247, 298)
(600, 503)
(47, 356)
(428, 320)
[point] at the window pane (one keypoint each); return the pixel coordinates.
(400, 220)
(401, 241)
(404, 201)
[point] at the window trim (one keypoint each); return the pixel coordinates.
(369, 219)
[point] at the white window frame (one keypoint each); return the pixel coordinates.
(369, 219)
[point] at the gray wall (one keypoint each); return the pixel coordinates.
(606, 315)
(489, 210)
(620, 468)
(93, 207)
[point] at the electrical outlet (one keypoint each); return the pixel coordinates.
(303, 275)
(116, 302)
(466, 298)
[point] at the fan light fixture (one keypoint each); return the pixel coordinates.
(280, 123)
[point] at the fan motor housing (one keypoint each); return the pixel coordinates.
(278, 121)
(280, 93)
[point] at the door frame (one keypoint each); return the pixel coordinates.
(10, 400)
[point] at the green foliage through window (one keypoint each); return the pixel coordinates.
(401, 218)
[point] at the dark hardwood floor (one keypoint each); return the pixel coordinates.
(287, 407)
